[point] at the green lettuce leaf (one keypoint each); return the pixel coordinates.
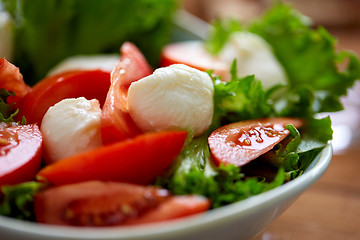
(317, 134)
(17, 200)
(239, 99)
(191, 170)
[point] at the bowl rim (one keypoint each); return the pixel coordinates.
(191, 224)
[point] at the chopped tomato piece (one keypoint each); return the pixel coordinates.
(98, 203)
(194, 54)
(131, 67)
(137, 160)
(20, 152)
(173, 208)
(239, 143)
(12, 80)
(72, 84)
(116, 122)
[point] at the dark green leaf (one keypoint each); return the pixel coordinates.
(47, 31)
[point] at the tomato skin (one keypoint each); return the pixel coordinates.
(137, 160)
(116, 122)
(20, 152)
(12, 80)
(193, 54)
(131, 67)
(96, 203)
(241, 142)
(72, 84)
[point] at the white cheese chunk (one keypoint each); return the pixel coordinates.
(254, 56)
(104, 62)
(71, 126)
(174, 97)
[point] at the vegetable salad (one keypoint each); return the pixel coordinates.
(135, 145)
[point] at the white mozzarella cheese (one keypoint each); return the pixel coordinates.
(174, 97)
(254, 57)
(71, 126)
(104, 62)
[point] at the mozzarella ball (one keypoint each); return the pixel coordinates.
(254, 57)
(71, 126)
(174, 97)
(104, 62)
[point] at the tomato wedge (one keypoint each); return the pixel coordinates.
(193, 54)
(175, 207)
(96, 203)
(72, 84)
(137, 160)
(12, 80)
(239, 143)
(20, 152)
(116, 122)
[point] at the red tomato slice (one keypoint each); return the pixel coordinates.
(12, 80)
(239, 143)
(193, 54)
(98, 203)
(131, 67)
(137, 160)
(116, 122)
(20, 152)
(72, 84)
(173, 208)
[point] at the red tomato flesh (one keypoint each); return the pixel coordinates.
(239, 143)
(173, 208)
(98, 203)
(116, 122)
(12, 80)
(72, 84)
(193, 54)
(20, 152)
(137, 160)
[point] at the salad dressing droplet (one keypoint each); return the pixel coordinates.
(8, 139)
(255, 138)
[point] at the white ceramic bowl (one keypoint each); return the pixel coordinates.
(241, 220)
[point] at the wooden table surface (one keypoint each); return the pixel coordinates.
(330, 209)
